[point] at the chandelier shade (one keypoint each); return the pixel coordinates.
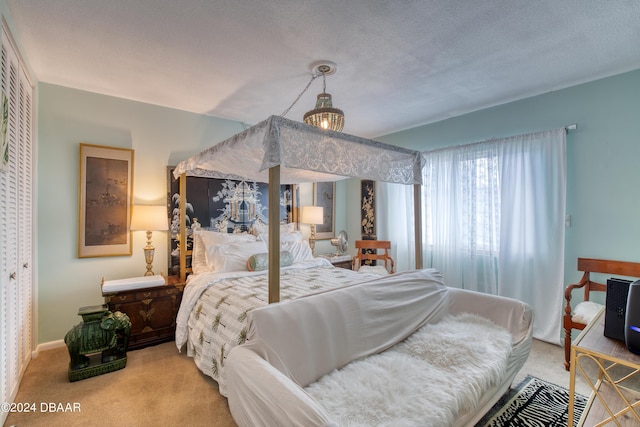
(324, 115)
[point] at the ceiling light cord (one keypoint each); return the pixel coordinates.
(324, 115)
(313, 77)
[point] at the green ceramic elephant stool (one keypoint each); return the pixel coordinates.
(99, 344)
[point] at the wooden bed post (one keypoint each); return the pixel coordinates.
(274, 234)
(183, 228)
(417, 220)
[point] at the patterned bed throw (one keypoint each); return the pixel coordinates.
(218, 320)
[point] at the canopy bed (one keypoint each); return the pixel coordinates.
(218, 303)
(280, 150)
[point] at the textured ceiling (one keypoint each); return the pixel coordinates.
(400, 63)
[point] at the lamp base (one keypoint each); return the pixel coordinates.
(312, 238)
(148, 255)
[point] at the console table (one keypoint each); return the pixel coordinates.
(610, 403)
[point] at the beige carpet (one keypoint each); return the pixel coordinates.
(161, 387)
(158, 387)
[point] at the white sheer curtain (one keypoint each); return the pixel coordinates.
(396, 222)
(494, 220)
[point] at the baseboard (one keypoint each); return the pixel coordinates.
(47, 346)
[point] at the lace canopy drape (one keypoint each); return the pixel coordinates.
(305, 154)
(282, 151)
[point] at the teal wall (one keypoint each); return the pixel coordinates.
(603, 182)
(159, 137)
(603, 186)
(603, 179)
(603, 194)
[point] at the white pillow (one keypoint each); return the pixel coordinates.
(289, 227)
(585, 311)
(233, 257)
(260, 227)
(198, 257)
(217, 238)
(204, 240)
(295, 236)
(300, 249)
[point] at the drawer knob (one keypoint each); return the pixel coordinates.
(147, 294)
(13, 276)
(123, 297)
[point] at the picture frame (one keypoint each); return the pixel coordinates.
(105, 197)
(324, 195)
(368, 209)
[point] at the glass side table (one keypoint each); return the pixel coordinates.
(615, 397)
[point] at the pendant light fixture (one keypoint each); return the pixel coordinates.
(325, 115)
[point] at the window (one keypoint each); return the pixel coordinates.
(472, 206)
(494, 220)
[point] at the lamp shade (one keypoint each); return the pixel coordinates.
(149, 218)
(312, 215)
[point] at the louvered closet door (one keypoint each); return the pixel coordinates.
(25, 219)
(16, 222)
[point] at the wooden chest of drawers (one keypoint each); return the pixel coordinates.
(152, 311)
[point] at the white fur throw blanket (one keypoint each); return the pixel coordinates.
(426, 380)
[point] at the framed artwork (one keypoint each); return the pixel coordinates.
(324, 195)
(104, 201)
(368, 209)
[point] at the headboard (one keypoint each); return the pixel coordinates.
(221, 204)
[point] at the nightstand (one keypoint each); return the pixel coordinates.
(152, 311)
(342, 261)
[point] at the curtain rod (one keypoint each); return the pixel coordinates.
(566, 128)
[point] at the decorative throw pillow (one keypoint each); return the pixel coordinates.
(259, 262)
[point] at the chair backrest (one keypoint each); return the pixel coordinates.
(589, 265)
(368, 250)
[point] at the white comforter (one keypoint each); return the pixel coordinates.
(212, 315)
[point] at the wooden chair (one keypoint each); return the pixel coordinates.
(374, 256)
(587, 265)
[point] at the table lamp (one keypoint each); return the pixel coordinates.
(312, 215)
(149, 219)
